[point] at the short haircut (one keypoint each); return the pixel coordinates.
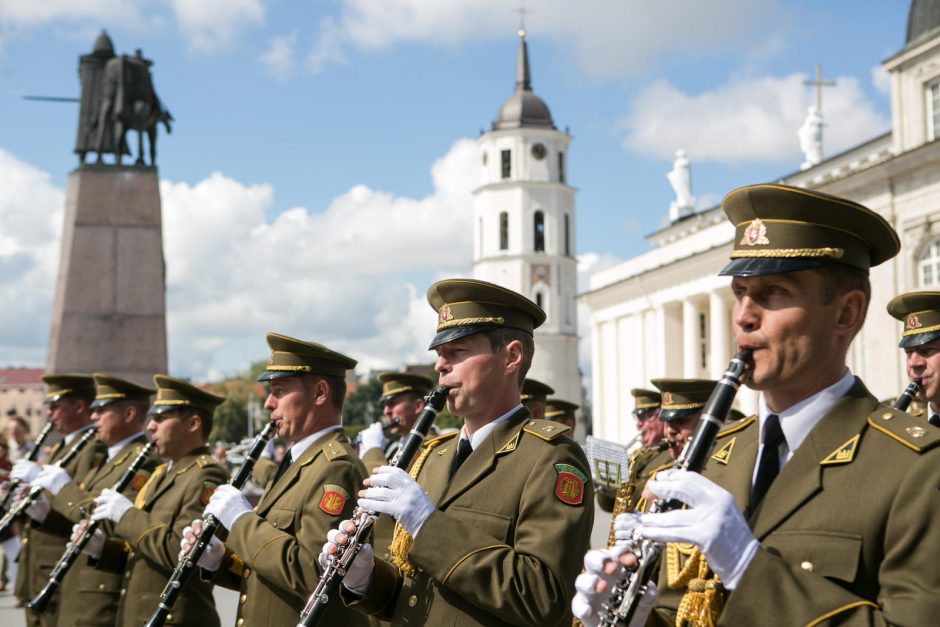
(502, 336)
(205, 418)
(142, 406)
(841, 279)
(337, 386)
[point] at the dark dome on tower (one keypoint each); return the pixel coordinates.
(923, 18)
(103, 45)
(523, 108)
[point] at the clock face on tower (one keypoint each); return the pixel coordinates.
(539, 151)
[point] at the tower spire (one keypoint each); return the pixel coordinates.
(523, 78)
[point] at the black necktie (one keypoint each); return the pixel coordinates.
(285, 463)
(934, 420)
(463, 452)
(769, 464)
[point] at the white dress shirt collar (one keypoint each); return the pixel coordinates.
(70, 437)
(297, 449)
(480, 434)
(114, 449)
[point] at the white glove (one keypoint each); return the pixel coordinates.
(211, 558)
(372, 437)
(358, 577)
(602, 569)
(39, 509)
(95, 544)
(25, 471)
(624, 526)
(712, 522)
(52, 478)
(227, 504)
(110, 505)
(395, 493)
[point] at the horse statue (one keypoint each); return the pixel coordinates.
(129, 101)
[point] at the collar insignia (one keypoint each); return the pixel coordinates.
(755, 234)
(723, 455)
(842, 455)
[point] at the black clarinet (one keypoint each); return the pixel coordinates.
(904, 401)
(41, 602)
(23, 504)
(187, 563)
(31, 457)
(364, 520)
(625, 597)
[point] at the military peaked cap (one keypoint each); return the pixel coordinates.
(395, 383)
(468, 306)
(173, 394)
(61, 385)
(555, 407)
(920, 313)
(534, 390)
(290, 358)
(682, 397)
(645, 399)
(110, 389)
(785, 229)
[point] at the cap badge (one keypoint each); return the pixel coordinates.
(446, 314)
(667, 398)
(755, 234)
(913, 322)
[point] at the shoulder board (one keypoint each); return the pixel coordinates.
(913, 432)
(548, 430)
(204, 460)
(441, 438)
(119, 459)
(738, 425)
(334, 450)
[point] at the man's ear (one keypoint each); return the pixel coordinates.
(513, 352)
(851, 313)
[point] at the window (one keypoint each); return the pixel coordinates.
(703, 339)
(506, 156)
(539, 227)
(504, 231)
(928, 266)
(933, 111)
(538, 300)
(567, 238)
(561, 167)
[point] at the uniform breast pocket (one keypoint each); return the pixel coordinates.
(282, 518)
(830, 554)
(496, 525)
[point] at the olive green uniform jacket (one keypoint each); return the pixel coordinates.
(849, 530)
(146, 547)
(272, 553)
(507, 538)
(41, 546)
(89, 596)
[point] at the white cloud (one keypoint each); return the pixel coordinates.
(327, 48)
(33, 12)
(881, 79)
(30, 226)
(278, 59)
(211, 25)
(605, 38)
(753, 119)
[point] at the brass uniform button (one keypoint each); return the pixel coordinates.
(123, 591)
(169, 617)
(275, 524)
(101, 586)
(243, 598)
(240, 622)
(808, 566)
(887, 415)
(412, 600)
(246, 572)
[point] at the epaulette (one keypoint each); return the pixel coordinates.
(334, 450)
(441, 438)
(204, 460)
(913, 432)
(737, 425)
(548, 430)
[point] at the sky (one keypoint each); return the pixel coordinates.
(320, 171)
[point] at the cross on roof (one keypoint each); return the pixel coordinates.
(819, 83)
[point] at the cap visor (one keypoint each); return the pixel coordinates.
(267, 375)
(757, 266)
(101, 402)
(671, 414)
(161, 409)
(449, 335)
(910, 341)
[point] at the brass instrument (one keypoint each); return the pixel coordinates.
(628, 488)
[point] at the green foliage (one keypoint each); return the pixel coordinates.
(230, 422)
(362, 407)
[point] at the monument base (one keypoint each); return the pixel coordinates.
(109, 313)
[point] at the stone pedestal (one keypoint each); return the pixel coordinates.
(110, 303)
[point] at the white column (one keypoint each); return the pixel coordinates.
(719, 315)
(659, 358)
(690, 339)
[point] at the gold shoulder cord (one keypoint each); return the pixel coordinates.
(703, 600)
(401, 541)
(627, 489)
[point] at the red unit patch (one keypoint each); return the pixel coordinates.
(569, 488)
(332, 502)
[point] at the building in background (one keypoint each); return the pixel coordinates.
(22, 393)
(666, 313)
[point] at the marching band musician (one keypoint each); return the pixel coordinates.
(270, 553)
(147, 532)
(491, 520)
(562, 411)
(920, 313)
(402, 402)
(68, 402)
(535, 396)
(88, 596)
(798, 517)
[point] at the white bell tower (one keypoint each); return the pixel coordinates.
(524, 225)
